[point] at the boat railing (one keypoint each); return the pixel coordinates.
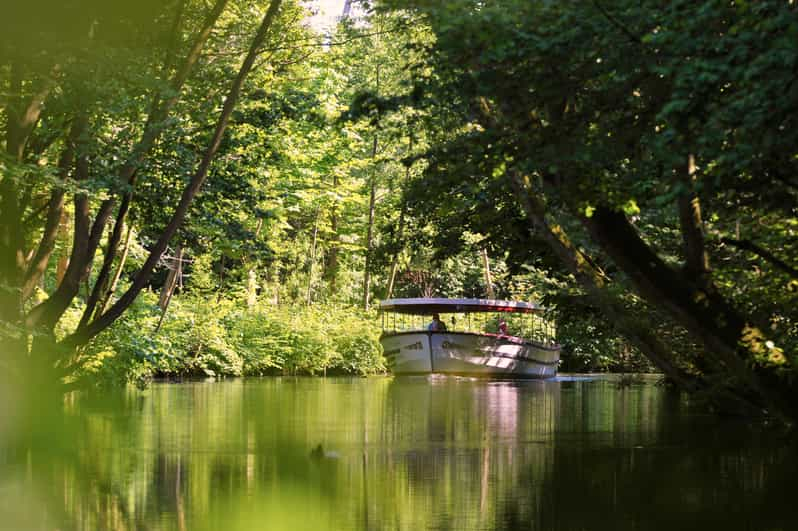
(532, 327)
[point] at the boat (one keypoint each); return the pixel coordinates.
(477, 339)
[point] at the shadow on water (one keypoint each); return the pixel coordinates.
(405, 453)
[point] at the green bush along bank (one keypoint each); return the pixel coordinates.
(202, 335)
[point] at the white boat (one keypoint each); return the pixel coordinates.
(473, 343)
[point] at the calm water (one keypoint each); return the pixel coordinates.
(410, 453)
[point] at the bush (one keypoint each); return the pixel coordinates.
(202, 335)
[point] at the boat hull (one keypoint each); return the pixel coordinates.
(468, 353)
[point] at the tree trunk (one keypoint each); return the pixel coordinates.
(703, 311)
(22, 113)
(83, 335)
(372, 204)
(312, 256)
(331, 267)
(252, 288)
(55, 210)
(63, 257)
(401, 228)
(38, 264)
(159, 110)
(171, 279)
(117, 275)
(696, 257)
(169, 286)
(369, 239)
(395, 259)
(101, 284)
(486, 269)
(86, 238)
(594, 281)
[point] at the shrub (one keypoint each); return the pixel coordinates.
(204, 335)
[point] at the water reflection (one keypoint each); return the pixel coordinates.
(409, 453)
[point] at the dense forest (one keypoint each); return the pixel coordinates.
(216, 187)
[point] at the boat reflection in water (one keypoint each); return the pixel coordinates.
(469, 446)
(475, 344)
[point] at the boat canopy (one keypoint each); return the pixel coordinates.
(432, 305)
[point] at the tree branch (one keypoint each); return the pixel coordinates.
(748, 245)
(615, 22)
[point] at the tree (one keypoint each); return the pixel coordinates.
(85, 110)
(628, 136)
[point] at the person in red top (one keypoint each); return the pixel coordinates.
(502, 326)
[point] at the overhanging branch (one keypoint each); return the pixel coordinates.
(748, 245)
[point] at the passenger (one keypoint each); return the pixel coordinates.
(502, 326)
(436, 325)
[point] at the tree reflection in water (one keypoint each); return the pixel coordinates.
(409, 453)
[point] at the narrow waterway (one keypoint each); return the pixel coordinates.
(404, 453)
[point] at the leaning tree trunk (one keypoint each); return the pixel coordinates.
(159, 111)
(588, 275)
(594, 281)
(726, 335)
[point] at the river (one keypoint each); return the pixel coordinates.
(575, 453)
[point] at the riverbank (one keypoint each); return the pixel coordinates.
(209, 336)
(204, 335)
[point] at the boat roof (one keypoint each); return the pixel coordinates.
(429, 306)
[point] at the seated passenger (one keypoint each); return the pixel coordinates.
(436, 325)
(502, 327)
